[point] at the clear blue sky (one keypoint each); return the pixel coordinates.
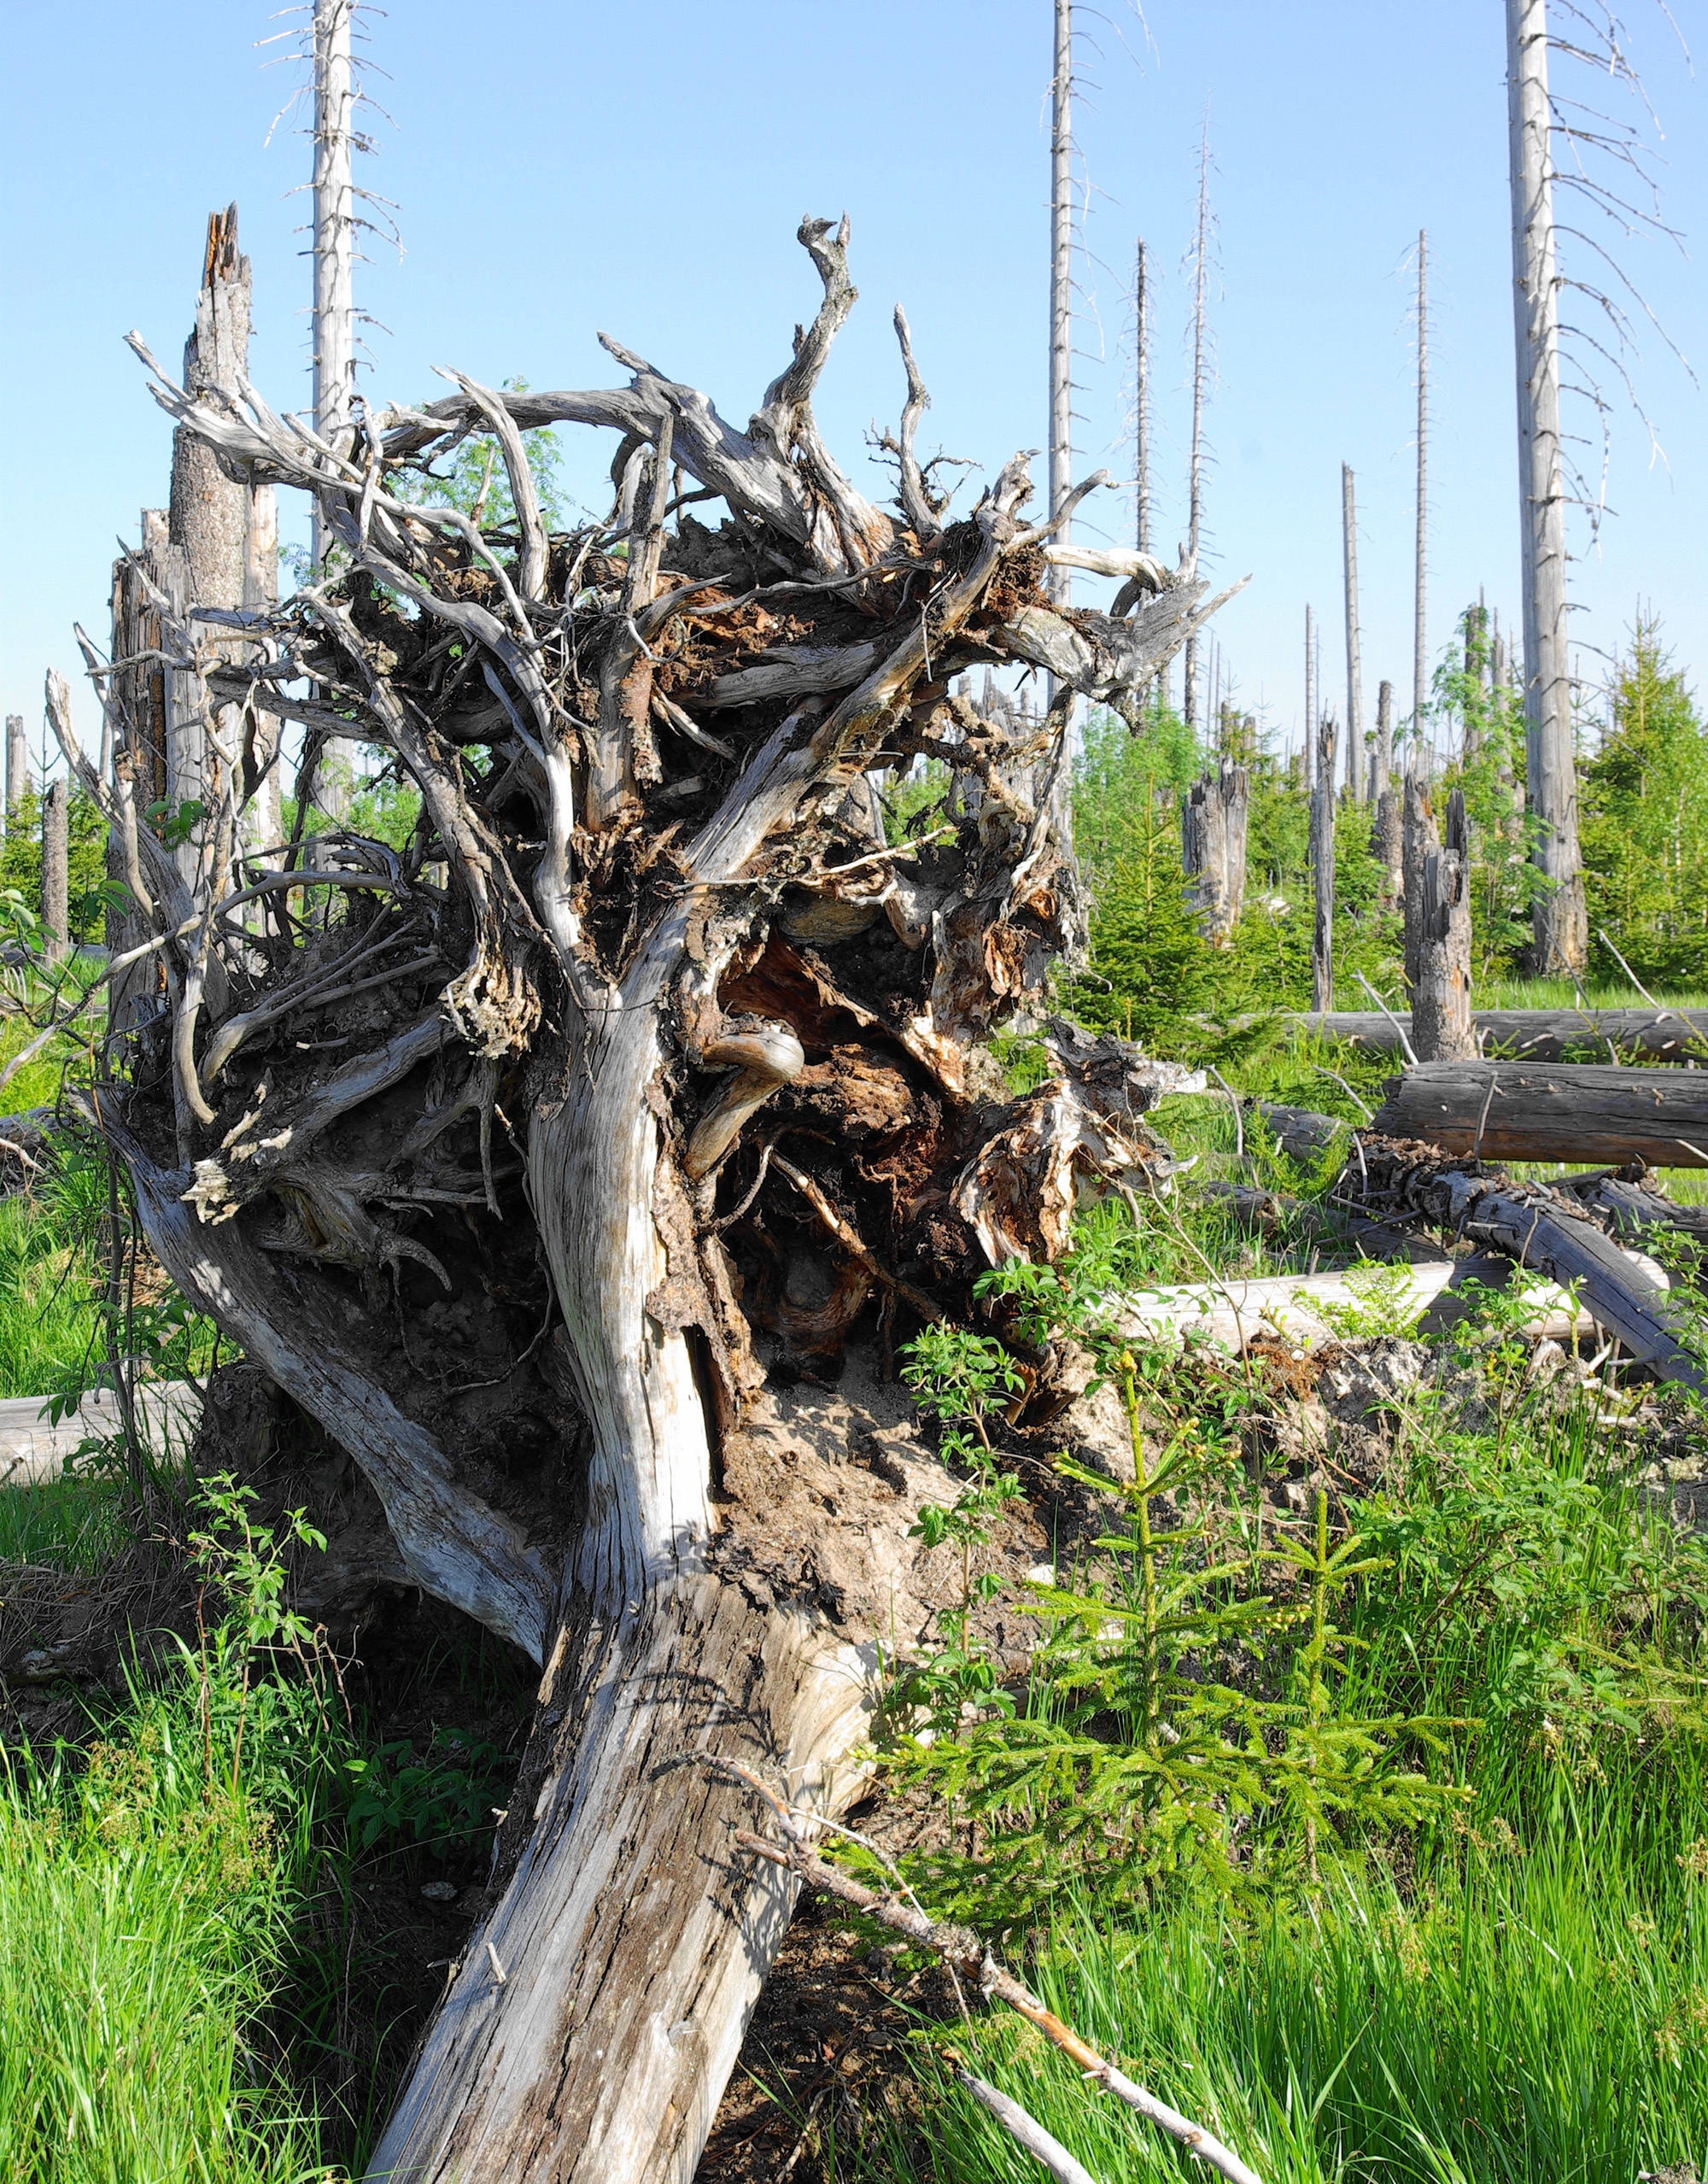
(563, 168)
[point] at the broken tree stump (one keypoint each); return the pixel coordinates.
(1567, 1111)
(1441, 989)
(1213, 831)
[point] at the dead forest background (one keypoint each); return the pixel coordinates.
(1263, 1490)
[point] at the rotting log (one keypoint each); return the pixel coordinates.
(1542, 1229)
(472, 1140)
(1582, 1112)
(1538, 1034)
(1299, 1307)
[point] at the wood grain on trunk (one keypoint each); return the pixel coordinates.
(1538, 1034)
(1581, 1112)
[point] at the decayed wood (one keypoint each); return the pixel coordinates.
(1299, 1307)
(1323, 866)
(1585, 1112)
(1213, 817)
(55, 873)
(1538, 1034)
(627, 1869)
(1355, 670)
(17, 762)
(1440, 992)
(625, 957)
(1632, 1209)
(1562, 925)
(1419, 839)
(1540, 1229)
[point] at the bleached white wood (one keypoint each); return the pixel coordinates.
(1354, 668)
(1561, 919)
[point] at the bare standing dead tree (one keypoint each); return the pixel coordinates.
(1311, 702)
(1194, 490)
(1140, 399)
(473, 1144)
(1323, 866)
(1420, 666)
(17, 763)
(1354, 670)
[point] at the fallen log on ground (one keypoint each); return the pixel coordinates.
(1536, 1034)
(1540, 1227)
(1581, 1112)
(1631, 1205)
(1304, 1308)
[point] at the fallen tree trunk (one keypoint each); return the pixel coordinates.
(1568, 1111)
(1540, 1228)
(1537, 1035)
(470, 1140)
(1302, 1309)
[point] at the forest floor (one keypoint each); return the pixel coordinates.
(1505, 1978)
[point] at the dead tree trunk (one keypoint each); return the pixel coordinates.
(1440, 999)
(1195, 482)
(334, 316)
(1420, 665)
(17, 764)
(1562, 925)
(1323, 866)
(1420, 841)
(228, 533)
(511, 1124)
(1542, 1229)
(1547, 1035)
(1354, 668)
(1567, 1111)
(1213, 831)
(1141, 399)
(1310, 703)
(55, 873)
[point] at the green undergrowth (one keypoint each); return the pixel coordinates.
(1539, 2013)
(1375, 1837)
(184, 1990)
(61, 1314)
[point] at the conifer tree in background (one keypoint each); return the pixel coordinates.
(1646, 823)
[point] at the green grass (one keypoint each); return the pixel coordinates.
(1539, 2018)
(143, 1913)
(1514, 1989)
(70, 1522)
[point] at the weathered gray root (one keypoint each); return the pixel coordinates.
(454, 1546)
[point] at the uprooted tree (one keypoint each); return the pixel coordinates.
(506, 1154)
